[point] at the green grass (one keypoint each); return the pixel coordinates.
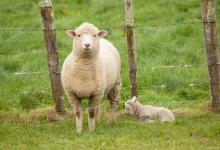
(198, 130)
(158, 44)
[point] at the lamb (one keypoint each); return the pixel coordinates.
(148, 113)
(90, 71)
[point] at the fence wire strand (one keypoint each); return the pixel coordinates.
(110, 28)
(161, 86)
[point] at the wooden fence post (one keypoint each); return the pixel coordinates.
(52, 53)
(129, 21)
(212, 56)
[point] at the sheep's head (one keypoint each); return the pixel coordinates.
(130, 105)
(86, 37)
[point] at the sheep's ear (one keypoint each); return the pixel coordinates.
(127, 102)
(71, 33)
(103, 33)
(134, 100)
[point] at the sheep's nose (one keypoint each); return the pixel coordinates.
(87, 45)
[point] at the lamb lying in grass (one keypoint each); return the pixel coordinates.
(148, 113)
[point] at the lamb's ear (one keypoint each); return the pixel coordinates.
(71, 33)
(134, 100)
(103, 33)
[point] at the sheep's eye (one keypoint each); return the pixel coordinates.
(78, 35)
(94, 35)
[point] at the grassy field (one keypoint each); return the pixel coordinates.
(25, 122)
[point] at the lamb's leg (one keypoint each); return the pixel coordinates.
(78, 109)
(114, 97)
(94, 103)
(149, 121)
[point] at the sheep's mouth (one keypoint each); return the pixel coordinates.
(86, 49)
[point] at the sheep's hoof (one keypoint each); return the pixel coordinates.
(112, 120)
(91, 130)
(91, 123)
(78, 131)
(112, 116)
(91, 127)
(98, 120)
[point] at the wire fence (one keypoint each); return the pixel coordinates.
(153, 68)
(14, 30)
(158, 87)
(112, 27)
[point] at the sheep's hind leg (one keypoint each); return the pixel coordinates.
(94, 103)
(77, 104)
(114, 97)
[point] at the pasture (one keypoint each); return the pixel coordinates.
(26, 121)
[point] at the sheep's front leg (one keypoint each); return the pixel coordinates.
(149, 121)
(114, 97)
(78, 109)
(146, 118)
(94, 103)
(97, 114)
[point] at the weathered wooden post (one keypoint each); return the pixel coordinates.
(129, 22)
(52, 53)
(212, 56)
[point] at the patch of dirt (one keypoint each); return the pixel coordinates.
(50, 115)
(206, 106)
(8, 116)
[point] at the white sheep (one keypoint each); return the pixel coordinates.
(148, 113)
(91, 70)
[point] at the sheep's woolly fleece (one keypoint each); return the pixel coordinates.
(92, 76)
(87, 28)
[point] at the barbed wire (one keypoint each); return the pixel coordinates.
(30, 73)
(21, 52)
(23, 92)
(19, 73)
(153, 68)
(161, 86)
(172, 66)
(182, 84)
(110, 28)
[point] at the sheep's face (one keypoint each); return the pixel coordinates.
(130, 105)
(86, 37)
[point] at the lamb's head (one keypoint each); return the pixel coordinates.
(130, 105)
(86, 37)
